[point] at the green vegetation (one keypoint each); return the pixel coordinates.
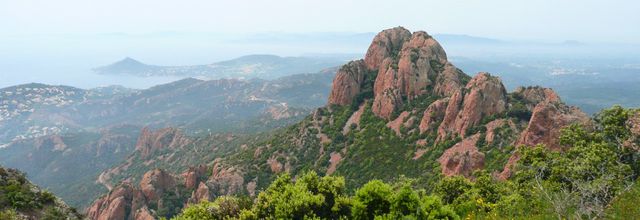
(16, 192)
(18, 196)
(314, 197)
(592, 178)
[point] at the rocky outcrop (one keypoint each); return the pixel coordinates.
(450, 81)
(152, 141)
(354, 119)
(225, 180)
(408, 74)
(200, 194)
(397, 123)
(534, 95)
(463, 158)
(486, 96)
(547, 120)
(385, 44)
(633, 124)
(334, 160)
(119, 204)
(493, 126)
(347, 83)
(155, 183)
(433, 115)
(407, 65)
(129, 202)
(193, 175)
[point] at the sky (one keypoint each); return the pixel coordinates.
(59, 42)
(582, 20)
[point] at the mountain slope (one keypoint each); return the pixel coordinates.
(51, 130)
(403, 110)
(20, 199)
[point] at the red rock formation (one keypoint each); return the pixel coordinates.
(334, 160)
(354, 119)
(450, 115)
(347, 83)
(493, 125)
(547, 120)
(200, 194)
(486, 96)
(225, 180)
(409, 74)
(536, 94)
(143, 214)
(449, 81)
(151, 141)
(633, 123)
(398, 122)
(118, 203)
(193, 175)
(463, 158)
(384, 45)
(433, 114)
(155, 183)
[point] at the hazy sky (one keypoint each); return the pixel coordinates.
(584, 20)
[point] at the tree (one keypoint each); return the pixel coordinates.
(374, 198)
(223, 207)
(310, 196)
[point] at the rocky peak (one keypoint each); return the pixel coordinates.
(385, 44)
(407, 65)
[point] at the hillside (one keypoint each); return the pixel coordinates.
(251, 66)
(404, 111)
(20, 199)
(47, 131)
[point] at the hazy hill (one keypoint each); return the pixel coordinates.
(251, 66)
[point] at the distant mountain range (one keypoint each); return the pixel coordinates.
(246, 67)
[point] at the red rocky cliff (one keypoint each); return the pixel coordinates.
(409, 65)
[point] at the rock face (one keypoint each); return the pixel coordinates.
(116, 204)
(201, 194)
(633, 123)
(347, 83)
(385, 44)
(549, 116)
(407, 66)
(486, 96)
(535, 95)
(193, 175)
(151, 141)
(408, 74)
(463, 158)
(433, 114)
(547, 120)
(155, 183)
(129, 202)
(225, 180)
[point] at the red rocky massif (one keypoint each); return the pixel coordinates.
(400, 68)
